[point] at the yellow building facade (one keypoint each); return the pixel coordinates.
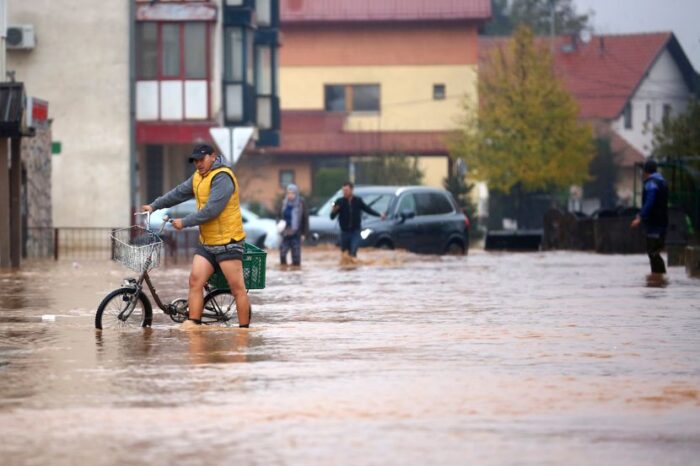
(362, 81)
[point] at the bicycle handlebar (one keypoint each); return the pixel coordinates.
(166, 220)
(148, 217)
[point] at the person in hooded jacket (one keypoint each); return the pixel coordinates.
(654, 215)
(295, 217)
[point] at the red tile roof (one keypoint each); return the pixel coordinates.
(603, 74)
(318, 133)
(302, 11)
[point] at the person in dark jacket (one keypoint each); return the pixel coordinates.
(296, 221)
(349, 210)
(654, 215)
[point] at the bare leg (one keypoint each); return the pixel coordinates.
(201, 271)
(233, 271)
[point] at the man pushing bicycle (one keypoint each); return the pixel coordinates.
(222, 239)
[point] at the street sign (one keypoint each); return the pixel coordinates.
(37, 113)
(231, 142)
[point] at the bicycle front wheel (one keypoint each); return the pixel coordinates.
(123, 309)
(219, 306)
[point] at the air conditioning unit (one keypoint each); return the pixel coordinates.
(20, 37)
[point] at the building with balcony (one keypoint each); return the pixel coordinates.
(200, 65)
(133, 85)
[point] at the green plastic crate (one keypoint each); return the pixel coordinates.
(254, 260)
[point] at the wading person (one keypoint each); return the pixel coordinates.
(221, 237)
(295, 217)
(654, 215)
(348, 209)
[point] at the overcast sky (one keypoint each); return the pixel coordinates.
(682, 17)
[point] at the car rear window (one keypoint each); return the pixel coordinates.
(432, 204)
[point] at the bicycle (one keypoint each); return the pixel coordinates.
(141, 250)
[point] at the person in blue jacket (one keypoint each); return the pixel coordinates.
(654, 215)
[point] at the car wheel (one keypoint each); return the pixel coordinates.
(385, 244)
(455, 248)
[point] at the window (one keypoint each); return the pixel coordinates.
(263, 12)
(352, 98)
(234, 52)
(264, 64)
(407, 203)
(648, 116)
(379, 202)
(170, 58)
(438, 92)
(286, 178)
(234, 102)
(154, 171)
(627, 116)
(440, 204)
(668, 110)
(423, 204)
(365, 98)
(335, 98)
(264, 85)
(159, 53)
(147, 47)
(172, 68)
(432, 204)
(195, 51)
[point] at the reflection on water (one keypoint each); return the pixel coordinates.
(395, 359)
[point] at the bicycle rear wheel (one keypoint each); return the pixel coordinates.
(219, 306)
(122, 309)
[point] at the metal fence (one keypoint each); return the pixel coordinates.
(84, 243)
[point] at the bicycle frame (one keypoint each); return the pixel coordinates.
(137, 285)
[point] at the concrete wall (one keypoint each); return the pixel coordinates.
(663, 85)
(80, 65)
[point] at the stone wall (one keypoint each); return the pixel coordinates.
(36, 158)
(37, 206)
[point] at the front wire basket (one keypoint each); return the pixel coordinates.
(137, 248)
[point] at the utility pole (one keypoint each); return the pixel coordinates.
(552, 31)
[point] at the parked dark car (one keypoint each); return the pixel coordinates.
(420, 219)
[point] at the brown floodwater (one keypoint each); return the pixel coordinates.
(542, 358)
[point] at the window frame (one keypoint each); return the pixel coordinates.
(283, 172)
(437, 86)
(400, 200)
(627, 116)
(348, 95)
(667, 113)
(182, 73)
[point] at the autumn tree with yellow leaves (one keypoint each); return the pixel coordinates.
(524, 136)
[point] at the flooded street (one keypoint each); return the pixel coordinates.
(551, 358)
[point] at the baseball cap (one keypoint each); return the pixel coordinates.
(200, 151)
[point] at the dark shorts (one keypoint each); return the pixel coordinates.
(226, 252)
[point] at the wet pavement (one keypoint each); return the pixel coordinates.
(545, 358)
